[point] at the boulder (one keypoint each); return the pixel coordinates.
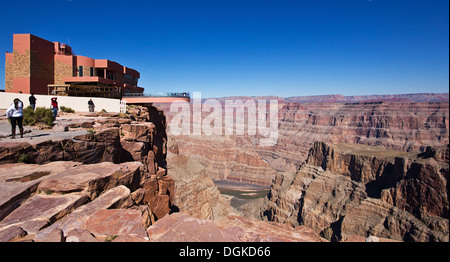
(56, 235)
(140, 132)
(11, 234)
(181, 227)
(94, 178)
(80, 235)
(19, 181)
(116, 222)
(78, 217)
(41, 209)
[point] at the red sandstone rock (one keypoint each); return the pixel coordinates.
(116, 222)
(11, 233)
(19, 181)
(106, 185)
(181, 227)
(345, 190)
(407, 127)
(80, 235)
(40, 210)
(94, 178)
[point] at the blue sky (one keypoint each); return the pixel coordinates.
(255, 48)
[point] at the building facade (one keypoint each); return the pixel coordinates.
(42, 67)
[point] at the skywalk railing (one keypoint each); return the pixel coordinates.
(183, 94)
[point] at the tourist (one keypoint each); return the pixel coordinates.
(91, 105)
(32, 99)
(15, 115)
(54, 107)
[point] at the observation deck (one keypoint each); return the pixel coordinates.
(140, 98)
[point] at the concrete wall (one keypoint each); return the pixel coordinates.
(79, 104)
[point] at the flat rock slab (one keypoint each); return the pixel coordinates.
(40, 210)
(19, 181)
(94, 178)
(78, 217)
(116, 222)
(80, 235)
(181, 227)
(11, 233)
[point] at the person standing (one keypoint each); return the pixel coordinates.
(54, 107)
(15, 115)
(91, 105)
(32, 99)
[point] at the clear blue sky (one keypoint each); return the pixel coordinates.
(263, 47)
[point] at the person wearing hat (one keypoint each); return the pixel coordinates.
(54, 107)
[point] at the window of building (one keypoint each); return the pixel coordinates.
(92, 71)
(80, 71)
(127, 79)
(110, 75)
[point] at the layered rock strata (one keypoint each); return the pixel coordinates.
(112, 172)
(346, 190)
(400, 126)
(181, 227)
(195, 193)
(407, 127)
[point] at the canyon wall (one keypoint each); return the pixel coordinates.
(407, 127)
(345, 190)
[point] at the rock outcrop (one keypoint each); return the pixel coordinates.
(115, 171)
(195, 193)
(181, 227)
(354, 190)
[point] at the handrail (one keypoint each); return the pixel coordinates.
(183, 94)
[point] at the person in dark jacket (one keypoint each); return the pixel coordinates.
(91, 105)
(32, 100)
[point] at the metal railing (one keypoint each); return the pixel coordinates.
(182, 94)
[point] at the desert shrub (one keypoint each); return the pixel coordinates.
(40, 115)
(66, 109)
(122, 115)
(24, 158)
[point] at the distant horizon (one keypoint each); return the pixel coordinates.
(423, 93)
(252, 48)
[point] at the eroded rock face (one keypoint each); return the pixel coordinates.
(345, 190)
(227, 158)
(401, 126)
(181, 227)
(18, 182)
(68, 201)
(195, 193)
(104, 145)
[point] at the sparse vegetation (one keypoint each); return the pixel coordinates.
(66, 109)
(122, 115)
(41, 115)
(24, 158)
(110, 238)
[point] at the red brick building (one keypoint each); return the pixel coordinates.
(42, 67)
